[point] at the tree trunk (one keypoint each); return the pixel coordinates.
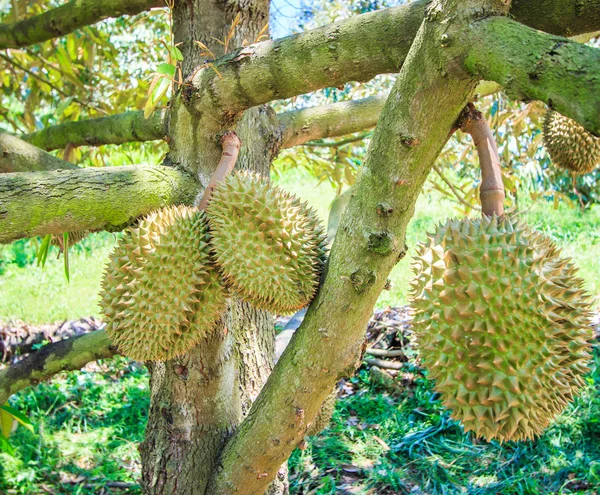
(198, 400)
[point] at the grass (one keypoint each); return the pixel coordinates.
(38, 295)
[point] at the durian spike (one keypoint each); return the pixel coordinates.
(491, 192)
(231, 145)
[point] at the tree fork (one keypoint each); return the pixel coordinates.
(433, 82)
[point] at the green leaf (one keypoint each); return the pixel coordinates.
(5, 446)
(42, 254)
(66, 254)
(166, 69)
(20, 417)
(64, 105)
(176, 54)
(6, 423)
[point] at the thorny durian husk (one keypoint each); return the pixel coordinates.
(270, 246)
(503, 325)
(161, 294)
(569, 145)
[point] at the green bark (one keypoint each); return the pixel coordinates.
(536, 66)
(337, 119)
(328, 345)
(562, 17)
(355, 49)
(39, 203)
(116, 129)
(67, 18)
(18, 156)
(66, 355)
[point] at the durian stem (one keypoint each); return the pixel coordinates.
(231, 145)
(491, 192)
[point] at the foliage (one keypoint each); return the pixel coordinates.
(96, 71)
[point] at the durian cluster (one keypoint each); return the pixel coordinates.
(167, 282)
(502, 325)
(569, 145)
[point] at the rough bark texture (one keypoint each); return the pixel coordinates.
(562, 17)
(18, 156)
(368, 244)
(536, 66)
(355, 49)
(192, 414)
(39, 203)
(116, 129)
(67, 18)
(337, 119)
(66, 355)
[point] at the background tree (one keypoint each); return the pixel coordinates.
(204, 433)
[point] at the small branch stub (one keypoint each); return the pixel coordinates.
(231, 145)
(491, 191)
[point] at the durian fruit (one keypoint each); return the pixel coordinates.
(160, 294)
(269, 245)
(323, 417)
(502, 324)
(569, 145)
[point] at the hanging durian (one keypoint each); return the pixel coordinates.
(161, 294)
(501, 319)
(268, 244)
(569, 145)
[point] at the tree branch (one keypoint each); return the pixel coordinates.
(417, 120)
(117, 129)
(67, 18)
(18, 156)
(337, 119)
(531, 65)
(355, 49)
(66, 355)
(39, 203)
(346, 117)
(561, 17)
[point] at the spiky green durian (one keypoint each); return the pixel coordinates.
(160, 294)
(569, 145)
(268, 244)
(502, 325)
(323, 417)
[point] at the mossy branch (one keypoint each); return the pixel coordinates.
(18, 156)
(66, 355)
(117, 129)
(337, 119)
(561, 17)
(531, 65)
(39, 203)
(67, 18)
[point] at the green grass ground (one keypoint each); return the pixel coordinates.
(43, 295)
